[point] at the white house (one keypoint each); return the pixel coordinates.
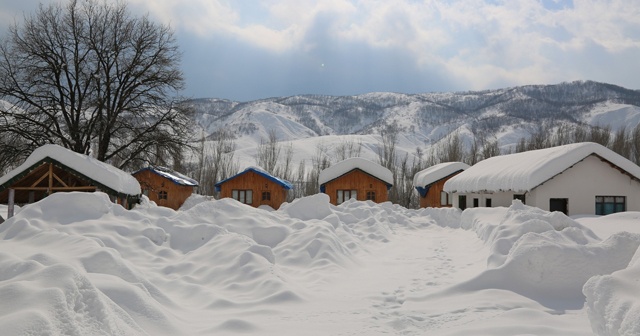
(582, 178)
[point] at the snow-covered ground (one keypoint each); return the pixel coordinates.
(76, 264)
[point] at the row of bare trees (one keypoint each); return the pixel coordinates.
(276, 157)
(623, 141)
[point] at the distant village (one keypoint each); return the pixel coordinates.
(575, 179)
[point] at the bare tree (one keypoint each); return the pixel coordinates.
(216, 161)
(635, 147)
(284, 170)
(580, 134)
(451, 149)
(320, 162)
(269, 153)
(347, 149)
(621, 143)
(601, 135)
(88, 73)
(387, 148)
(490, 149)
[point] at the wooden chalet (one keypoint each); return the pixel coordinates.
(430, 183)
(52, 168)
(356, 178)
(255, 187)
(164, 186)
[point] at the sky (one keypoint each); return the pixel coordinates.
(249, 49)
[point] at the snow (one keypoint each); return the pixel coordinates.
(174, 176)
(437, 172)
(101, 172)
(345, 166)
(78, 264)
(524, 171)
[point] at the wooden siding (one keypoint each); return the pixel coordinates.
(152, 184)
(361, 182)
(432, 198)
(258, 184)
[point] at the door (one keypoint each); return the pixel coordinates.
(559, 204)
(462, 202)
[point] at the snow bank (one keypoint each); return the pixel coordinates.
(545, 256)
(77, 264)
(612, 301)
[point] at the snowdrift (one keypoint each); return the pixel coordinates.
(77, 264)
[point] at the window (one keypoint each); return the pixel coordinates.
(606, 205)
(559, 204)
(242, 196)
(444, 198)
(266, 196)
(162, 195)
(476, 202)
(462, 202)
(520, 197)
(371, 196)
(487, 202)
(344, 195)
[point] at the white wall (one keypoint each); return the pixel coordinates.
(582, 183)
(501, 199)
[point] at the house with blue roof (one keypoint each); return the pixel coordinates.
(164, 186)
(255, 187)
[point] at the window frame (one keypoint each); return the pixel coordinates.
(266, 196)
(341, 193)
(444, 198)
(162, 195)
(617, 204)
(371, 195)
(244, 196)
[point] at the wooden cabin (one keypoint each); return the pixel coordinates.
(164, 186)
(255, 187)
(430, 183)
(52, 168)
(356, 178)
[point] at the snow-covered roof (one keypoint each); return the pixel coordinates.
(348, 165)
(171, 175)
(525, 171)
(103, 173)
(285, 184)
(437, 172)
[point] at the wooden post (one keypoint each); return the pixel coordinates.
(50, 179)
(32, 196)
(12, 197)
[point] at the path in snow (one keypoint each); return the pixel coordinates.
(368, 299)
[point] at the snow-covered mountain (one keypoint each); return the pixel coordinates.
(505, 115)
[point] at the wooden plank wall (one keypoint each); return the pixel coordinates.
(258, 184)
(432, 198)
(176, 194)
(360, 181)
